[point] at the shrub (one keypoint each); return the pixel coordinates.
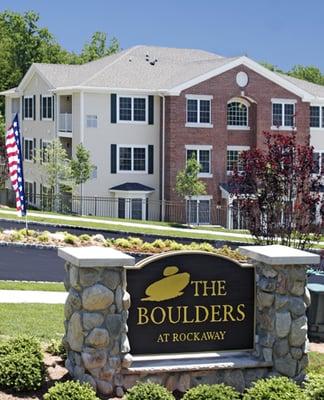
(135, 241)
(84, 238)
(212, 392)
(71, 390)
(159, 244)
(124, 243)
(16, 236)
(314, 387)
(147, 247)
(70, 239)
(228, 252)
(56, 348)
(43, 237)
(278, 388)
(176, 246)
(206, 247)
(21, 364)
(148, 391)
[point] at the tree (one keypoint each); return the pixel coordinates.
(56, 167)
(307, 73)
(277, 193)
(81, 168)
(3, 156)
(97, 48)
(188, 183)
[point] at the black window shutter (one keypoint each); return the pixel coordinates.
(113, 158)
(34, 107)
(53, 109)
(34, 193)
(22, 148)
(113, 108)
(151, 110)
(41, 155)
(34, 149)
(40, 107)
(150, 159)
(22, 107)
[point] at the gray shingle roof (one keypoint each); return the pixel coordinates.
(312, 88)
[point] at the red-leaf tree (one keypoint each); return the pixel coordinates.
(278, 194)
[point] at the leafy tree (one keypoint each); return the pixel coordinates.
(81, 168)
(3, 157)
(188, 183)
(97, 48)
(271, 67)
(277, 193)
(307, 73)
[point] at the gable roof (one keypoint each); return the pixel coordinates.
(157, 69)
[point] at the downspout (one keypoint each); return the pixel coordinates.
(163, 161)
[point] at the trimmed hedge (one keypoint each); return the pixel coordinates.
(21, 364)
(212, 392)
(71, 390)
(148, 391)
(278, 388)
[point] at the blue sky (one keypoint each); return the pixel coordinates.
(282, 32)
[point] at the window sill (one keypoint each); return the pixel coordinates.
(198, 125)
(132, 122)
(316, 129)
(47, 119)
(205, 175)
(28, 119)
(237, 128)
(131, 172)
(283, 128)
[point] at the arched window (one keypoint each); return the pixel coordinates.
(237, 114)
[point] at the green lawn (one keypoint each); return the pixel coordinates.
(131, 230)
(24, 285)
(316, 362)
(45, 321)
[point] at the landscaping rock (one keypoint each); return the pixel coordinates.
(297, 306)
(88, 276)
(72, 304)
(111, 279)
(98, 338)
(298, 332)
(92, 320)
(283, 323)
(97, 297)
(264, 299)
(286, 365)
(95, 359)
(75, 333)
(114, 324)
(281, 347)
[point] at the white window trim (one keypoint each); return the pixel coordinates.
(320, 152)
(132, 146)
(283, 127)
(130, 195)
(47, 96)
(132, 97)
(239, 127)
(28, 140)
(234, 148)
(33, 105)
(202, 147)
(198, 124)
(319, 128)
(86, 121)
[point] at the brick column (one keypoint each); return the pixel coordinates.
(281, 302)
(96, 313)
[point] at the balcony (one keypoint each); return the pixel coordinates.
(65, 124)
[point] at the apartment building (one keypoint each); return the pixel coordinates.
(144, 111)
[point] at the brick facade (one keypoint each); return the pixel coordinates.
(258, 92)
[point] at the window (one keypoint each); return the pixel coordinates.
(130, 208)
(136, 208)
(318, 166)
(92, 121)
(316, 117)
(237, 115)
(30, 192)
(203, 155)
(283, 114)
(233, 155)
(198, 210)
(28, 149)
(45, 145)
(29, 107)
(132, 109)
(132, 158)
(47, 107)
(198, 111)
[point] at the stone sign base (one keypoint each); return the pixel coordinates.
(96, 314)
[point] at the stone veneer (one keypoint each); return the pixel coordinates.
(96, 313)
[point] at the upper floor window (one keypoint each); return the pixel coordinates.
(283, 113)
(47, 107)
(28, 149)
(28, 107)
(318, 163)
(203, 155)
(237, 115)
(132, 109)
(316, 117)
(233, 158)
(92, 121)
(198, 110)
(132, 158)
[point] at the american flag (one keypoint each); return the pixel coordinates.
(15, 165)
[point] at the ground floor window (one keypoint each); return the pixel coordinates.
(198, 211)
(30, 192)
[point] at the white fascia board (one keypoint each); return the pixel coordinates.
(254, 66)
(10, 93)
(94, 89)
(28, 76)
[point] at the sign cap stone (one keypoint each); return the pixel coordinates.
(95, 256)
(277, 254)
